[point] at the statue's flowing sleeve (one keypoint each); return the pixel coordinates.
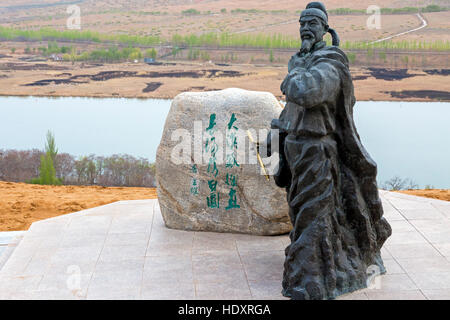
(312, 86)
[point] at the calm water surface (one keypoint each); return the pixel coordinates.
(407, 139)
(84, 126)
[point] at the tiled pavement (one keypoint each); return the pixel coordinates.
(8, 242)
(124, 251)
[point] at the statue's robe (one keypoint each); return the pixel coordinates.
(335, 209)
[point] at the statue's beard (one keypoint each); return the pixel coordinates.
(306, 45)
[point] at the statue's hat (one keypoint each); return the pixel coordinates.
(317, 9)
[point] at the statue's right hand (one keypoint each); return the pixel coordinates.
(283, 175)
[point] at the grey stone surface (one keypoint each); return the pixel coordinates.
(8, 242)
(8, 237)
(174, 264)
(263, 209)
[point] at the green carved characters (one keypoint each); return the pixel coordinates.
(211, 148)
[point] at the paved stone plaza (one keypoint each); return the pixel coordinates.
(124, 251)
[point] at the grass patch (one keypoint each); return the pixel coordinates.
(213, 39)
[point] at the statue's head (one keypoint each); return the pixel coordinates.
(313, 25)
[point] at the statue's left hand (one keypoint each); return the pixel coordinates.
(291, 75)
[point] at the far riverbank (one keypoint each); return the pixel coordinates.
(164, 81)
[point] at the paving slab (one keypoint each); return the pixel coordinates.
(124, 251)
(8, 242)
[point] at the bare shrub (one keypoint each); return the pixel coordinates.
(397, 183)
(19, 165)
(64, 166)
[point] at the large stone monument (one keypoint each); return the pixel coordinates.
(334, 206)
(209, 176)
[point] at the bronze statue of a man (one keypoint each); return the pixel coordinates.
(334, 206)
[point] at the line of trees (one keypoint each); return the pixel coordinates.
(429, 8)
(111, 54)
(114, 171)
(414, 45)
(261, 40)
(239, 10)
(44, 34)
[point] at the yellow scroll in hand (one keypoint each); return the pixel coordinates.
(258, 155)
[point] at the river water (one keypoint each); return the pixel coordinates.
(406, 139)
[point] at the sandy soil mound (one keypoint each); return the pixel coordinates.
(433, 193)
(21, 204)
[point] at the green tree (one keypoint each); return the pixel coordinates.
(50, 146)
(151, 53)
(405, 60)
(175, 51)
(47, 172)
(135, 54)
(351, 57)
(190, 12)
(271, 58)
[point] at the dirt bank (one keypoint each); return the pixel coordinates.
(433, 193)
(21, 204)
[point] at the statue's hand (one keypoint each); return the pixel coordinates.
(291, 75)
(283, 175)
(266, 148)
